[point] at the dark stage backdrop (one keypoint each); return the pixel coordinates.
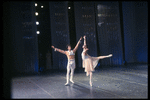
(24, 37)
(109, 32)
(99, 21)
(59, 32)
(135, 24)
(85, 25)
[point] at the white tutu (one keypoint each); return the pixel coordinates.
(89, 63)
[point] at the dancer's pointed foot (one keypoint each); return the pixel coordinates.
(66, 84)
(90, 83)
(109, 55)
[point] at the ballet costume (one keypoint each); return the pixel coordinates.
(89, 63)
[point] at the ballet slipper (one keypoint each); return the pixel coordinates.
(71, 77)
(66, 84)
(71, 81)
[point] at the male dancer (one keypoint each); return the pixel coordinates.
(71, 60)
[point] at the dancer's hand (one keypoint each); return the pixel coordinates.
(53, 47)
(80, 38)
(86, 49)
(84, 36)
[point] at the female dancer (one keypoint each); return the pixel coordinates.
(71, 60)
(89, 63)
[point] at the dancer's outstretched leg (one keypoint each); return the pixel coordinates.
(102, 57)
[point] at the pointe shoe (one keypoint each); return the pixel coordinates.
(90, 83)
(110, 55)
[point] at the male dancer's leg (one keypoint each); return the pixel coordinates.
(72, 73)
(67, 75)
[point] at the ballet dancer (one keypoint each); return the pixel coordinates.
(71, 60)
(88, 62)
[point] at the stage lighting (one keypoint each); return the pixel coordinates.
(35, 4)
(37, 23)
(42, 6)
(37, 32)
(69, 7)
(36, 13)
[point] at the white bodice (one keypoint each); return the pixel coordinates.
(71, 52)
(84, 56)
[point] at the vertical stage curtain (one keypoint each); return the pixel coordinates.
(59, 32)
(85, 25)
(135, 19)
(23, 30)
(109, 32)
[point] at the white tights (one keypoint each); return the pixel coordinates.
(70, 66)
(71, 74)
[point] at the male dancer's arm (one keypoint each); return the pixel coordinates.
(59, 50)
(77, 45)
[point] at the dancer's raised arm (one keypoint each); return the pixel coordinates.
(77, 45)
(59, 50)
(84, 40)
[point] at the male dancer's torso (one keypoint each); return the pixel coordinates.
(70, 55)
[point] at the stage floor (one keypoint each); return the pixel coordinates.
(120, 82)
